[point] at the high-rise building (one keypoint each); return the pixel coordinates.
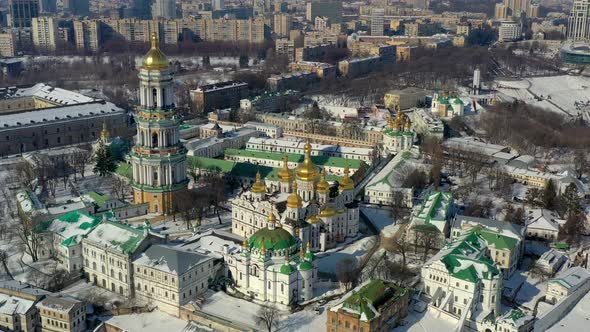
(509, 31)
(87, 35)
(164, 9)
(218, 4)
(579, 24)
(22, 12)
(47, 6)
(329, 8)
(140, 9)
(516, 8)
(77, 7)
(282, 25)
(377, 19)
(8, 44)
(45, 33)
(158, 158)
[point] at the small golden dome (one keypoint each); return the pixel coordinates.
(313, 220)
(328, 211)
(323, 186)
(294, 201)
(285, 174)
(307, 170)
(271, 218)
(104, 134)
(407, 123)
(308, 246)
(245, 243)
(258, 187)
(155, 59)
(302, 253)
(346, 182)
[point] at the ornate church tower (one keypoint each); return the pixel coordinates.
(158, 157)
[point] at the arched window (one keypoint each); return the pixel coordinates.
(155, 97)
(154, 140)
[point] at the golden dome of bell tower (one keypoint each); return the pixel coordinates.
(155, 59)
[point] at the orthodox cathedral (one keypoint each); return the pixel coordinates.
(306, 206)
(272, 266)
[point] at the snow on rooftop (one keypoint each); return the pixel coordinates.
(155, 321)
(98, 108)
(52, 94)
(10, 305)
(115, 236)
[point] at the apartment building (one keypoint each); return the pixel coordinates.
(282, 25)
(322, 70)
(282, 47)
(170, 277)
(62, 314)
(8, 44)
(45, 34)
(87, 35)
(220, 95)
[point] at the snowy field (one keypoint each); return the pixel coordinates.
(382, 219)
(563, 94)
(576, 319)
(327, 261)
(425, 321)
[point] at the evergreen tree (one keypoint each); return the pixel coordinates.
(549, 195)
(104, 163)
(571, 200)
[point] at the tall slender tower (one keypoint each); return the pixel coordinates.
(158, 157)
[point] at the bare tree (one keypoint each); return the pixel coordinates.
(346, 272)
(398, 244)
(268, 318)
(119, 187)
(26, 231)
(81, 159)
(428, 238)
(26, 174)
(4, 261)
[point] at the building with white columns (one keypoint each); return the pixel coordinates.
(158, 157)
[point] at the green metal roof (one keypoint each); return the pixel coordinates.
(99, 199)
(305, 266)
(297, 158)
(287, 269)
(272, 239)
(373, 294)
(498, 240)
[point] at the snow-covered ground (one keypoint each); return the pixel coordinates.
(424, 322)
(356, 250)
(155, 321)
(576, 319)
(382, 219)
(564, 94)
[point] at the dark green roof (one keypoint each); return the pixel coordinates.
(99, 199)
(287, 269)
(498, 240)
(305, 266)
(373, 294)
(272, 239)
(297, 158)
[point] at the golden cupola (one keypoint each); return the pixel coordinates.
(294, 201)
(307, 170)
(285, 174)
(346, 182)
(155, 59)
(104, 134)
(323, 186)
(258, 187)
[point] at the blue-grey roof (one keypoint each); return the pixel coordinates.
(170, 259)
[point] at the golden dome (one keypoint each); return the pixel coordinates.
(313, 220)
(323, 186)
(285, 174)
(258, 187)
(271, 218)
(294, 201)
(346, 182)
(307, 170)
(245, 243)
(104, 134)
(407, 123)
(155, 59)
(328, 211)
